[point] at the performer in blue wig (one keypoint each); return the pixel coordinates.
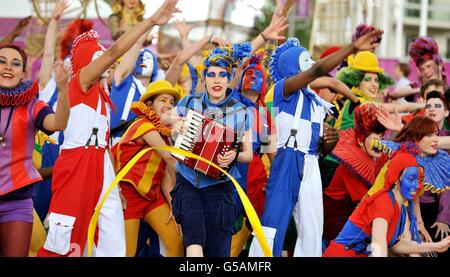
(294, 186)
(202, 205)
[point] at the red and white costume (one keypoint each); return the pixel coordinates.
(84, 170)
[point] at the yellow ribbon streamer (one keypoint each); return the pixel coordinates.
(251, 214)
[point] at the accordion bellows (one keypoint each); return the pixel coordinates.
(206, 138)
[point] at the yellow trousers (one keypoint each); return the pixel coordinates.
(157, 220)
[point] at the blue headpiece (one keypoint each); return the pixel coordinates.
(226, 57)
(139, 61)
(289, 59)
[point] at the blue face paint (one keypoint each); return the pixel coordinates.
(253, 80)
(411, 182)
(144, 64)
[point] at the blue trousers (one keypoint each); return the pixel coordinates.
(206, 215)
(282, 191)
(43, 190)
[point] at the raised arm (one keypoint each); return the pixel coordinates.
(58, 120)
(322, 67)
(403, 107)
(93, 71)
(403, 92)
(335, 85)
(184, 30)
(274, 31)
(126, 66)
(45, 73)
(183, 56)
(9, 38)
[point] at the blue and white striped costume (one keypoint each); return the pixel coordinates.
(294, 186)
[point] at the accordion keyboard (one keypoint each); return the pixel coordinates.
(193, 125)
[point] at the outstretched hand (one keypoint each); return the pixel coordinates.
(183, 28)
(330, 134)
(61, 76)
(369, 41)
(391, 121)
(442, 229)
(59, 9)
(276, 28)
(23, 23)
(165, 12)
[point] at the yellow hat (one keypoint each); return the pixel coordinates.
(365, 61)
(159, 87)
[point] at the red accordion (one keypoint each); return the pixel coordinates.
(205, 138)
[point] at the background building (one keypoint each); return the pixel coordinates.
(402, 21)
(317, 23)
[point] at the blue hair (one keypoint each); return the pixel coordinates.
(227, 57)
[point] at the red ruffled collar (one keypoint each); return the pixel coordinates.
(19, 95)
(348, 152)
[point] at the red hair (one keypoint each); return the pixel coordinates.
(366, 121)
(417, 129)
(76, 28)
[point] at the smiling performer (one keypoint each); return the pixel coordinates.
(21, 114)
(202, 205)
(137, 69)
(366, 79)
(84, 170)
(147, 185)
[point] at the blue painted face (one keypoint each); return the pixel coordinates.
(144, 64)
(253, 80)
(294, 60)
(411, 182)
